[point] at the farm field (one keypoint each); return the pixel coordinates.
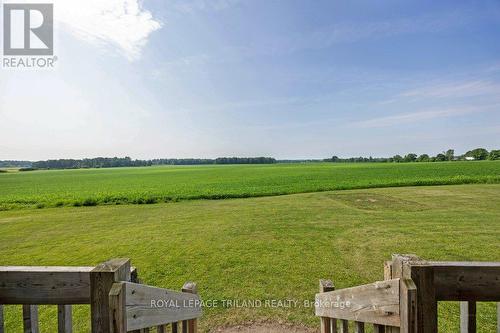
(260, 248)
(92, 187)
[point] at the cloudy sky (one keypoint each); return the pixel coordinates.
(282, 78)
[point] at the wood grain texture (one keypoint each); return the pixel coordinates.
(467, 317)
(30, 318)
(423, 277)
(408, 306)
(44, 285)
(374, 303)
(117, 313)
(467, 283)
(192, 288)
(359, 327)
(326, 324)
(148, 306)
(102, 278)
(64, 319)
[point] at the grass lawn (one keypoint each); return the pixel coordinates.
(168, 183)
(260, 248)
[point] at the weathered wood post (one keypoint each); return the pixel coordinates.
(423, 276)
(1, 319)
(468, 317)
(498, 317)
(190, 326)
(328, 325)
(344, 326)
(102, 278)
(30, 318)
(398, 268)
(64, 320)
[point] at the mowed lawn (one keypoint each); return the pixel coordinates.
(263, 248)
(172, 183)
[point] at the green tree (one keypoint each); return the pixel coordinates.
(494, 155)
(478, 153)
(397, 158)
(423, 158)
(450, 154)
(410, 157)
(440, 158)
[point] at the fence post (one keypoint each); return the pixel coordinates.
(102, 278)
(423, 277)
(467, 317)
(190, 326)
(1, 319)
(64, 320)
(498, 317)
(328, 325)
(344, 326)
(30, 318)
(360, 327)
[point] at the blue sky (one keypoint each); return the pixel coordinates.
(289, 79)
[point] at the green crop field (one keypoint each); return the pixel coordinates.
(163, 184)
(262, 248)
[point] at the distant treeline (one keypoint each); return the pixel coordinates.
(449, 155)
(15, 164)
(114, 162)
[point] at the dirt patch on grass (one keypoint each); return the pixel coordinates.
(265, 328)
(374, 201)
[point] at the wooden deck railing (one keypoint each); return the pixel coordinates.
(406, 301)
(101, 287)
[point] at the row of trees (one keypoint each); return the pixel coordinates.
(449, 155)
(14, 164)
(113, 162)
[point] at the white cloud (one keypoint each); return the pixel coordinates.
(190, 6)
(455, 89)
(123, 24)
(413, 117)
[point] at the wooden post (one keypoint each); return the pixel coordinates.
(1, 319)
(328, 325)
(30, 318)
(344, 326)
(190, 326)
(360, 327)
(396, 269)
(378, 328)
(423, 277)
(388, 275)
(117, 311)
(408, 306)
(102, 278)
(467, 317)
(498, 317)
(161, 329)
(64, 320)
(175, 327)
